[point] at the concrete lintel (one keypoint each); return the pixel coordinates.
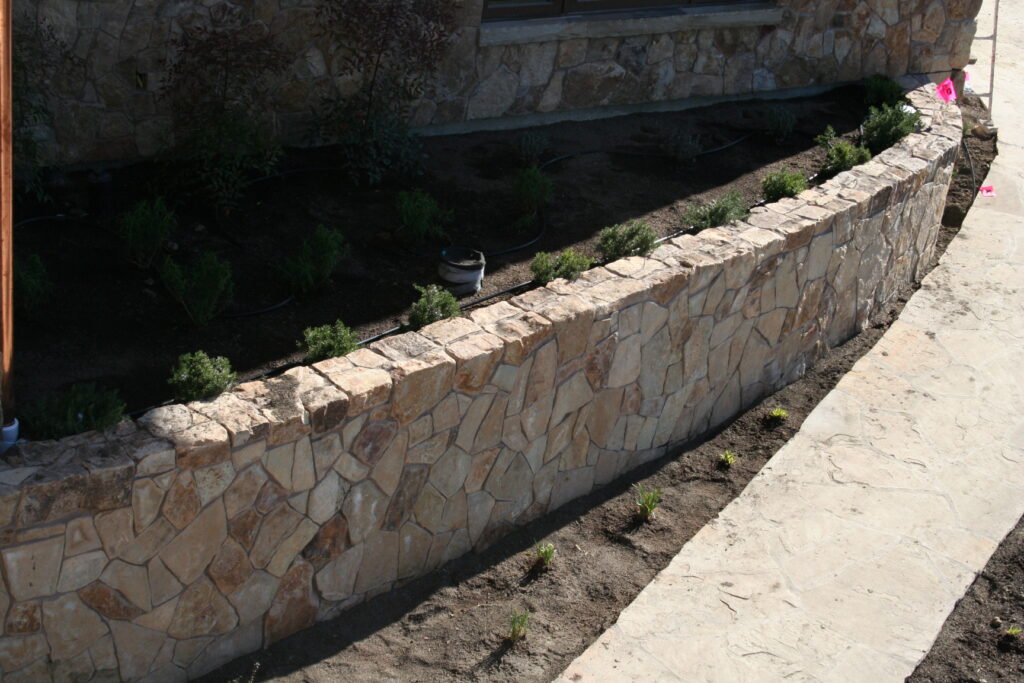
(633, 23)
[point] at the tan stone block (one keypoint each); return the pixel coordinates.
(71, 627)
(253, 598)
(366, 388)
(493, 313)
(476, 358)
(146, 500)
(625, 367)
(182, 502)
(248, 454)
(17, 653)
(449, 330)
(197, 440)
(80, 570)
(329, 542)
(571, 396)
(131, 581)
(289, 549)
(160, 618)
(243, 491)
(598, 361)
(388, 470)
(420, 384)
(430, 450)
(521, 334)
(364, 509)
(243, 421)
(446, 415)
(294, 607)
(193, 549)
(244, 527)
(449, 473)
(337, 579)
(277, 525)
(201, 611)
(80, 536)
(230, 567)
(380, 561)
(351, 469)
(535, 419)
(162, 584)
(109, 602)
(480, 468)
(23, 618)
(373, 441)
(571, 318)
(429, 509)
(407, 492)
(414, 550)
(303, 468)
(212, 481)
(32, 570)
(420, 430)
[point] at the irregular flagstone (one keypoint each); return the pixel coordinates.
(201, 611)
(295, 605)
(193, 549)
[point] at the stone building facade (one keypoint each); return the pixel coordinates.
(163, 548)
(107, 105)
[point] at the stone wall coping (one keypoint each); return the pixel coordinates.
(633, 23)
(316, 399)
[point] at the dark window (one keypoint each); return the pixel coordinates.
(509, 9)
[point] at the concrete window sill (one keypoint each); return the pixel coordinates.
(623, 24)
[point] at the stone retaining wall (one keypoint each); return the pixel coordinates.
(162, 549)
(107, 106)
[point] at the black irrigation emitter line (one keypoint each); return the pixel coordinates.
(970, 160)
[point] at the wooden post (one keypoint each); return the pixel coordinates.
(6, 214)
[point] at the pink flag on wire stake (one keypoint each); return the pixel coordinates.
(947, 91)
(988, 191)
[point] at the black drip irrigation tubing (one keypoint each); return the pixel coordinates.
(970, 160)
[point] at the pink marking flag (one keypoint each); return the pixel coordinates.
(988, 191)
(947, 91)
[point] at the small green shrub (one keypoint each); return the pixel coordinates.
(82, 408)
(313, 266)
(524, 223)
(530, 148)
(197, 376)
(840, 155)
(879, 90)
(420, 216)
(783, 184)
(32, 286)
(727, 208)
(533, 190)
(144, 228)
(328, 341)
(777, 416)
(435, 303)
(374, 148)
(647, 501)
(204, 289)
(780, 123)
(634, 238)
(569, 265)
(887, 125)
(727, 459)
(1014, 631)
(517, 626)
(544, 554)
(684, 148)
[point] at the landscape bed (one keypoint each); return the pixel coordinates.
(452, 624)
(107, 321)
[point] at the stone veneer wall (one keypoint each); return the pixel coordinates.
(162, 549)
(104, 111)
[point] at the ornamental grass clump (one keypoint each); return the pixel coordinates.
(197, 376)
(635, 238)
(783, 184)
(544, 555)
(840, 155)
(518, 622)
(311, 269)
(328, 341)
(81, 408)
(727, 208)
(568, 265)
(530, 148)
(887, 125)
(420, 216)
(204, 289)
(780, 124)
(144, 228)
(647, 502)
(434, 304)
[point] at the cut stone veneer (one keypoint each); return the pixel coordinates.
(107, 106)
(161, 550)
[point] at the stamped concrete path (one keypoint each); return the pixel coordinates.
(842, 559)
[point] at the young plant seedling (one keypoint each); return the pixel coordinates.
(777, 417)
(1014, 631)
(517, 626)
(727, 459)
(647, 502)
(544, 555)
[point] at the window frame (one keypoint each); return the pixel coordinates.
(532, 9)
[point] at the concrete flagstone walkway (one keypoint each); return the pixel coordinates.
(842, 559)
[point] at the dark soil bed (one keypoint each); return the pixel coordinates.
(450, 625)
(111, 323)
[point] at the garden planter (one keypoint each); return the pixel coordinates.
(10, 435)
(462, 270)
